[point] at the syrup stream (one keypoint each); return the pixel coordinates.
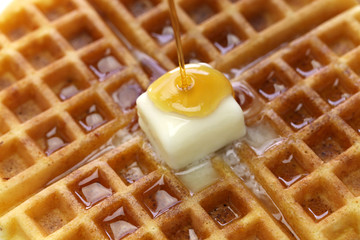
(185, 83)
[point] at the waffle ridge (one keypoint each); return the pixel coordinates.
(72, 70)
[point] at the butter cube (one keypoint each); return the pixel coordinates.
(182, 140)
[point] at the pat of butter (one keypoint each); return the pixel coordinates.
(181, 140)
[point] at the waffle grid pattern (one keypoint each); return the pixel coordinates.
(35, 105)
(314, 167)
(62, 64)
(50, 210)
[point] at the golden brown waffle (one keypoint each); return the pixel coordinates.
(72, 69)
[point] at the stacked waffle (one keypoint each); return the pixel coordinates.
(75, 165)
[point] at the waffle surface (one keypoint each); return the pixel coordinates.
(75, 165)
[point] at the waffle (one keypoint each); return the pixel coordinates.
(75, 165)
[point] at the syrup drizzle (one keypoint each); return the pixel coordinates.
(158, 198)
(118, 224)
(185, 81)
(91, 190)
(171, 92)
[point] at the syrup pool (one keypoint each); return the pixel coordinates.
(106, 66)
(118, 225)
(288, 171)
(92, 119)
(125, 96)
(308, 65)
(92, 190)
(299, 118)
(226, 42)
(272, 87)
(132, 173)
(334, 94)
(54, 141)
(68, 91)
(158, 198)
(164, 35)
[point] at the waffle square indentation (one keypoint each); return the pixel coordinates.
(299, 111)
(351, 115)
(66, 81)
(254, 231)
(139, 7)
(51, 213)
(270, 82)
(10, 72)
(91, 114)
(344, 227)
(42, 51)
(341, 38)
(160, 28)
(132, 165)
(103, 63)
(352, 181)
(184, 225)
(14, 159)
(224, 207)
(306, 60)
(261, 14)
(200, 10)
(26, 103)
(334, 88)
(4, 128)
(118, 220)
(92, 189)
(318, 203)
(80, 33)
(328, 142)
(194, 52)
(56, 8)
(51, 135)
(349, 173)
(288, 168)
(21, 23)
(159, 197)
(82, 233)
(225, 35)
(125, 94)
